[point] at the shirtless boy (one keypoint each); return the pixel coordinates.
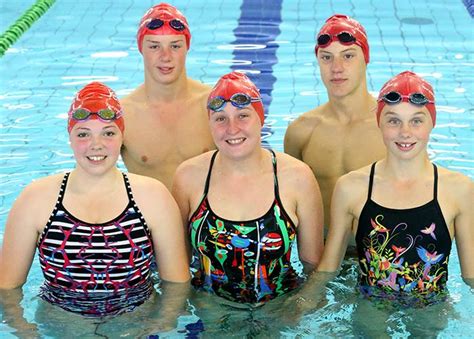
(340, 135)
(166, 116)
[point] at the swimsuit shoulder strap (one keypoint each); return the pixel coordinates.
(128, 187)
(62, 189)
(371, 181)
(435, 186)
(208, 179)
(275, 176)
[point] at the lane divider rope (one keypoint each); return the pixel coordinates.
(15, 31)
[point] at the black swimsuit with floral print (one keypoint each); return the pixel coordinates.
(403, 253)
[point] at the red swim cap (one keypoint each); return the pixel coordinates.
(167, 14)
(93, 98)
(237, 82)
(339, 23)
(406, 84)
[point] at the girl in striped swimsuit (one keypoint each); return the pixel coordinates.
(97, 230)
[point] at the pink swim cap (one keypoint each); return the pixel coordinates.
(234, 83)
(408, 87)
(163, 19)
(339, 23)
(95, 101)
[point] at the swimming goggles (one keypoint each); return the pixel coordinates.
(175, 24)
(392, 98)
(239, 100)
(344, 38)
(106, 114)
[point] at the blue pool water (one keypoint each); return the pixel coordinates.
(76, 42)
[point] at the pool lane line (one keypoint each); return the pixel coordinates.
(469, 6)
(15, 31)
(258, 28)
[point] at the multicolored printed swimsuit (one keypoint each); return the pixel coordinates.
(243, 261)
(403, 254)
(96, 269)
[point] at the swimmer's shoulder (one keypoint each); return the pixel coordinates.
(144, 183)
(308, 120)
(133, 100)
(192, 173)
(357, 177)
(295, 174)
(196, 164)
(149, 193)
(453, 177)
(454, 186)
(199, 86)
(353, 187)
(45, 188)
(289, 165)
(199, 90)
(300, 130)
(37, 200)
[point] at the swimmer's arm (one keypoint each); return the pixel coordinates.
(294, 140)
(310, 297)
(167, 307)
(309, 210)
(469, 282)
(314, 287)
(340, 228)
(164, 221)
(12, 310)
(19, 240)
(169, 242)
(180, 194)
(464, 230)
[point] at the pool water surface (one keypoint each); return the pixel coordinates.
(76, 42)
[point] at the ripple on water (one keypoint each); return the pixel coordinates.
(417, 21)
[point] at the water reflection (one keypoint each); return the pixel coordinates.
(340, 312)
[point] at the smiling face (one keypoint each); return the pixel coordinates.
(342, 68)
(96, 145)
(164, 57)
(405, 129)
(236, 131)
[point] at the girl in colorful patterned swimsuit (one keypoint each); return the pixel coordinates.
(245, 206)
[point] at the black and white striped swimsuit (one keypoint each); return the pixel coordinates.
(96, 269)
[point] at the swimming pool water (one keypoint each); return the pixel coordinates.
(76, 42)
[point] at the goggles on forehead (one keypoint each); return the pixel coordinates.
(239, 100)
(392, 98)
(175, 24)
(106, 114)
(344, 38)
